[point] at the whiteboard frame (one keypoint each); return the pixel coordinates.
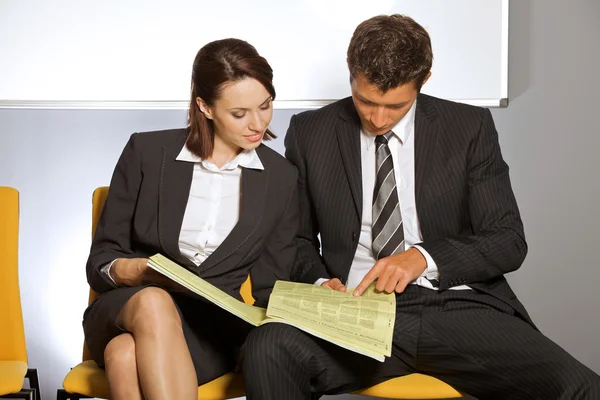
(277, 104)
(183, 105)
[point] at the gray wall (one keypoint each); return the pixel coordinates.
(549, 136)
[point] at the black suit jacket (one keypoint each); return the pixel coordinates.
(466, 208)
(146, 204)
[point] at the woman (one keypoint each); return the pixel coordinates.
(210, 197)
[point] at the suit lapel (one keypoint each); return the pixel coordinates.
(254, 187)
(348, 137)
(174, 190)
(426, 137)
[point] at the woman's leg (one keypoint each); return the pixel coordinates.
(164, 366)
(121, 368)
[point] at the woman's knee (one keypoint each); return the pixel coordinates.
(150, 309)
(120, 352)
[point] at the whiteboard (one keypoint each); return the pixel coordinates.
(139, 53)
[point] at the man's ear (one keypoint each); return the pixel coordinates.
(204, 108)
(426, 78)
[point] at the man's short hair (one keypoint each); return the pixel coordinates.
(389, 51)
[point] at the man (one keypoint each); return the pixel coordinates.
(411, 192)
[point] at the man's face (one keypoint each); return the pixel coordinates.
(379, 112)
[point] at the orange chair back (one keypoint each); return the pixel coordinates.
(98, 200)
(12, 333)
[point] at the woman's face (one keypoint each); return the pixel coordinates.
(241, 114)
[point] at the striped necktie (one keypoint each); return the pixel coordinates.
(387, 231)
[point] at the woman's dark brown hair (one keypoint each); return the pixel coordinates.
(389, 51)
(217, 63)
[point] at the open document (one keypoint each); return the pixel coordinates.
(363, 324)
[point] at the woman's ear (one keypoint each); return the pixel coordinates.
(204, 108)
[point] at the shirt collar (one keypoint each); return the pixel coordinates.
(246, 159)
(401, 130)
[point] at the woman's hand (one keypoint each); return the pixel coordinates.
(136, 272)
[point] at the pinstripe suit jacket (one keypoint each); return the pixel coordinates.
(467, 212)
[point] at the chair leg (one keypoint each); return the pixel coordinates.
(62, 394)
(34, 382)
(27, 394)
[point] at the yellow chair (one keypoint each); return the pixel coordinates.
(413, 386)
(13, 350)
(88, 380)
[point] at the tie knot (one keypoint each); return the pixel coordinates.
(382, 139)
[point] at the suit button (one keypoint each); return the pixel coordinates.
(353, 236)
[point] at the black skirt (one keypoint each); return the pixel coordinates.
(213, 335)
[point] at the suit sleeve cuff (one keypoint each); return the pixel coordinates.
(431, 272)
(106, 270)
(320, 281)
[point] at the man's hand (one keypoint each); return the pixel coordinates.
(136, 272)
(395, 272)
(334, 284)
